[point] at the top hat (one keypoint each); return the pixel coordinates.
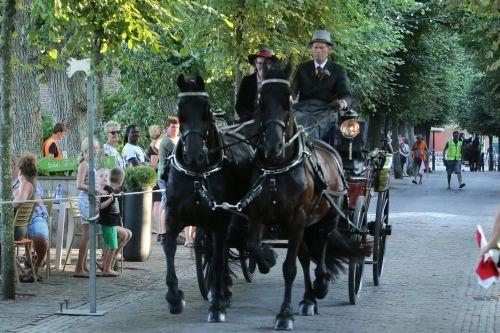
(262, 53)
(321, 36)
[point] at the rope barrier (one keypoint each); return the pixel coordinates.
(75, 198)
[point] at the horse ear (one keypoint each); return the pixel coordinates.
(200, 83)
(181, 82)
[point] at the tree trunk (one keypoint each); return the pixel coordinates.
(27, 108)
(491, 157)
(69, 106)
(8, 260)
(238, 48)
(375, 131)
(398, 168)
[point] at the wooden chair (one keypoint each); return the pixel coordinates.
(75, 215)
(22, 219)
(77, 231)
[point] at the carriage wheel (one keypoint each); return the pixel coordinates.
(204, 265)
(248, 265)
(380, 234)
(356, 265)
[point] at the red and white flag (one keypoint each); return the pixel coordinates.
(486, 271)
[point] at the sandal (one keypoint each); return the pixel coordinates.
(190, 245)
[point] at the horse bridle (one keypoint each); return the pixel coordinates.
(281, 123)
(203, 135)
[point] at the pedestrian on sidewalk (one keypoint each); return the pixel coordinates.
(419, 156)
(453, 159)
(404, 152)
(82, 184)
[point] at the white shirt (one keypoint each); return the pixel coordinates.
(129, 151)
(320, 65)
(109, 150)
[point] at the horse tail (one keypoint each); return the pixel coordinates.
(340, 249)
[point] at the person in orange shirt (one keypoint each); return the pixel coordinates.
(419, 155)
(51, 147)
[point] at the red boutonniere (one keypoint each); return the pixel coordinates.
(325, 74)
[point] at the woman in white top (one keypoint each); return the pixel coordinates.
(132, 153)
(112, 129)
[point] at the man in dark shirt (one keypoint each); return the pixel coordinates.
(320, 85)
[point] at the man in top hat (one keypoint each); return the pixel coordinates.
(246, 100)
(320, 85)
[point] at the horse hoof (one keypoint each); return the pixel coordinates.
(176, 303)
(283, 324)
(226, 302)
(177, 308)
(307, 308)
(263, 269)
(320, 288)
(216, 317)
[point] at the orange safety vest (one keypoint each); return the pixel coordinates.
(46, 146)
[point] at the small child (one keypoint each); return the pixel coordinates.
(115, 236)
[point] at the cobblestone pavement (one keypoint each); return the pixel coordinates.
(428, 283)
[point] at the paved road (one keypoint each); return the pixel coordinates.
(428, 283)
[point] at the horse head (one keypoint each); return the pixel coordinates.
(195, 120)
(275, 115)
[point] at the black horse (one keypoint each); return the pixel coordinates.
(204, 169)
(472, 153)
(302, 183)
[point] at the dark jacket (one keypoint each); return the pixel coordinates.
(307, 85)
(246, 100)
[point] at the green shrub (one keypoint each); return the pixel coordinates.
(139, 177)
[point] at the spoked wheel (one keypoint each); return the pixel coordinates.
(204, 264)
(248, 265)
(380, 232)
(356, 265)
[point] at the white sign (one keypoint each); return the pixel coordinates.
(76, 65)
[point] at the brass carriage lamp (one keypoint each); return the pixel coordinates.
(350, 128)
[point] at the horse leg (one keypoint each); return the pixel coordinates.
(308, 306)
(284, 319)
(227, 281)
(264, 256)
(216, 311)
(174, 296)
(323, 277)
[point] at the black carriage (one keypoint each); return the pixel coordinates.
(366, 173)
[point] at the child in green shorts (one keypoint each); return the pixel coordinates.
(114, 235)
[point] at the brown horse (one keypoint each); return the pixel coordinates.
(302, 183)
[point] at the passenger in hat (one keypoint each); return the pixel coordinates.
(321, 78)
(246, 100)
